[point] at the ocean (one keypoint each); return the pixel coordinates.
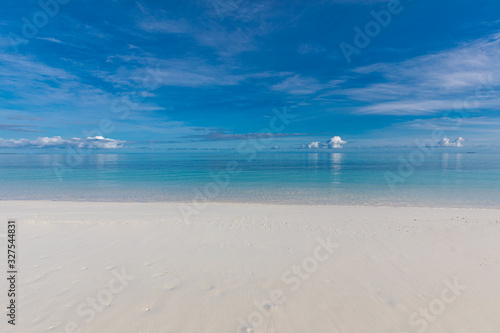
(432, 177)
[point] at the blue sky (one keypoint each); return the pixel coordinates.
(208, 73)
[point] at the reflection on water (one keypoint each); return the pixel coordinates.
(459, 162)
(336, 160)
(313, 160)
(335, 167)
(454, 159)
(444, 161)
(102, 160)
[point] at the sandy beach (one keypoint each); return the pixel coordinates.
(139, 267)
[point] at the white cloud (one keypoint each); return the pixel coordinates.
(336, 142)
(447, 123)
(333, 143)
(187, 72)
(299, 85)
(50, 39)
(435, 82)
(310, 48)
(35, 85)
(226, 41)
(241, 11)
(314, 145)
(164, 26)
(12, 41)
(408, 107)
(58, 142)
(445, 142)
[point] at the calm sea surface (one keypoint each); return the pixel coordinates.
(459, 177)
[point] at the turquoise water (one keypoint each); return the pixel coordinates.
(443, 177)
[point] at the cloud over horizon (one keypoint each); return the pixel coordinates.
(333, 143)
(59, 142)
(445, 142)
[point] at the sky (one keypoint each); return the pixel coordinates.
(218, 73)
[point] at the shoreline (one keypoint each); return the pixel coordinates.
(249, 203)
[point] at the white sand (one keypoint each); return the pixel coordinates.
(203, 276)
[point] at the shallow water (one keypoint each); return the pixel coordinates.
(454, 177)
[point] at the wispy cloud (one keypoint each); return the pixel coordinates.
(447, 123)
(6, 42)
(298, 85)
(50, 39)
(164, 26)
(433, 83)
(39, 89)
(35, 83)
(408, 107)
(157, 21)
(356, 2)
(222, 136)
(188, 72)
(19, 128)
(240, 10)
(30, 118)
(227, 40)
(309, 48)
